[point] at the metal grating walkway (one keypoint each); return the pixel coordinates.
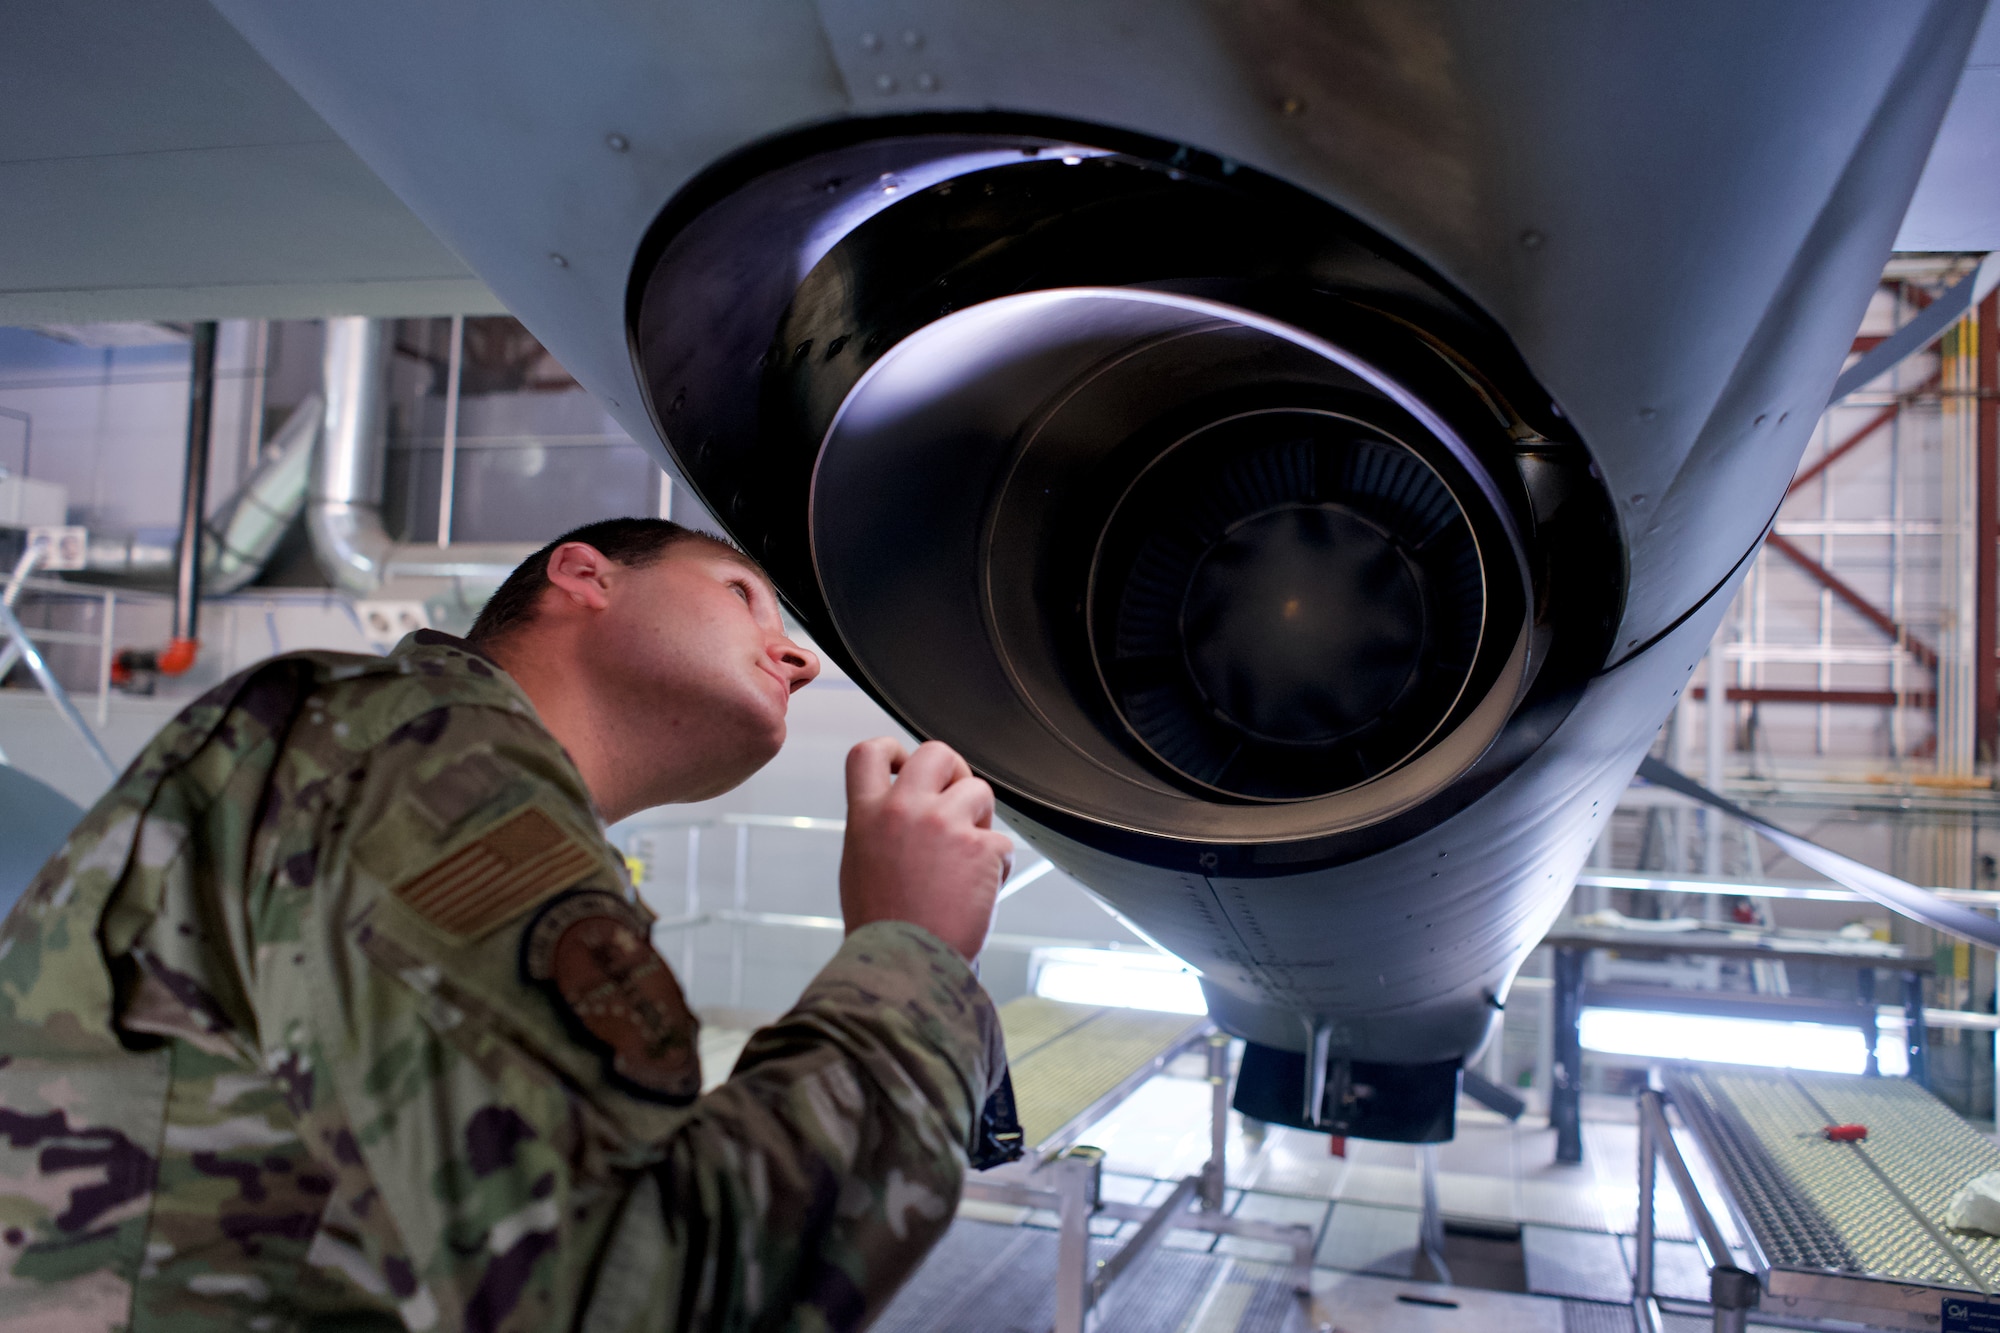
(1867, 1216)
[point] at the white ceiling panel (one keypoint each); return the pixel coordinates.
(152, 166)
(1957, 204)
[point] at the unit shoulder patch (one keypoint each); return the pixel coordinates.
(590, 950)
(497, 876)
(459, 790)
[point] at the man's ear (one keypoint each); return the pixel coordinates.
(581, 574)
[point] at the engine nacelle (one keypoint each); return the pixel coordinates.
(1235, 547)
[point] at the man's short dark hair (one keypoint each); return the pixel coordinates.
(633, 542)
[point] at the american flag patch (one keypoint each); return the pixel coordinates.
(488, 882)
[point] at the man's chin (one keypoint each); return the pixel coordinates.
(773, 743)
(744, 761)
(775, 730)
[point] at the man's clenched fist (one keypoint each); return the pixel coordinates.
(921, 846)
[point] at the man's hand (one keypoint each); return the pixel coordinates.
(921, 846)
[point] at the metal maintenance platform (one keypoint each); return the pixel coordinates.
(1073, 1062)
(1072, 1065)
(1845, 1231)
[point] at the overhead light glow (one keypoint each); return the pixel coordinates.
(1128, 980)
(1738, 1041)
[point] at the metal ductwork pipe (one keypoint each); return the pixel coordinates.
(239, 541)
(345, 511)
(344, 515)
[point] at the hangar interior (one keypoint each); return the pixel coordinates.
(335, 409)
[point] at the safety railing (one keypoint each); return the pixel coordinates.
(739, 916)
(103, 638)
(1797, 890)
(19, 644)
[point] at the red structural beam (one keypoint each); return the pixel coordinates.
(1988, 719)
(1917, 296)
(1860, 436)
(1859, 604)
(1859, 698)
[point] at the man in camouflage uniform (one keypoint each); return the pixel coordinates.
(336, 1010)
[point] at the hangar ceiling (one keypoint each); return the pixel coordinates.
(152, 166)
(1957, 204)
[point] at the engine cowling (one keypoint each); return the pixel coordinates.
(1245, 548)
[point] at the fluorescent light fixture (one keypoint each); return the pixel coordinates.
(1127, 979)
(1738, 1041)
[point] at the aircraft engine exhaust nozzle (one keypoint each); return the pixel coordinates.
(1233, 552)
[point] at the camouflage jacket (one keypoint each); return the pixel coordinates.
(333, 1011)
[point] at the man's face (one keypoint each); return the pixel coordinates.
(694, 642)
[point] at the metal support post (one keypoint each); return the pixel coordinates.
(448, 456)
(1645, 1309)
(1986, 633)
(1566, 1072)
(740, 900)
(106, 650)
(1915, 1035)
(1543, 1079)
(1714, 710)
(1864, 987)
(1319, 1061)
(1077, 1174)
(1431, 1226)
(692, 901)
(194, 487)
(1732, 1292)
(1214, 1174)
